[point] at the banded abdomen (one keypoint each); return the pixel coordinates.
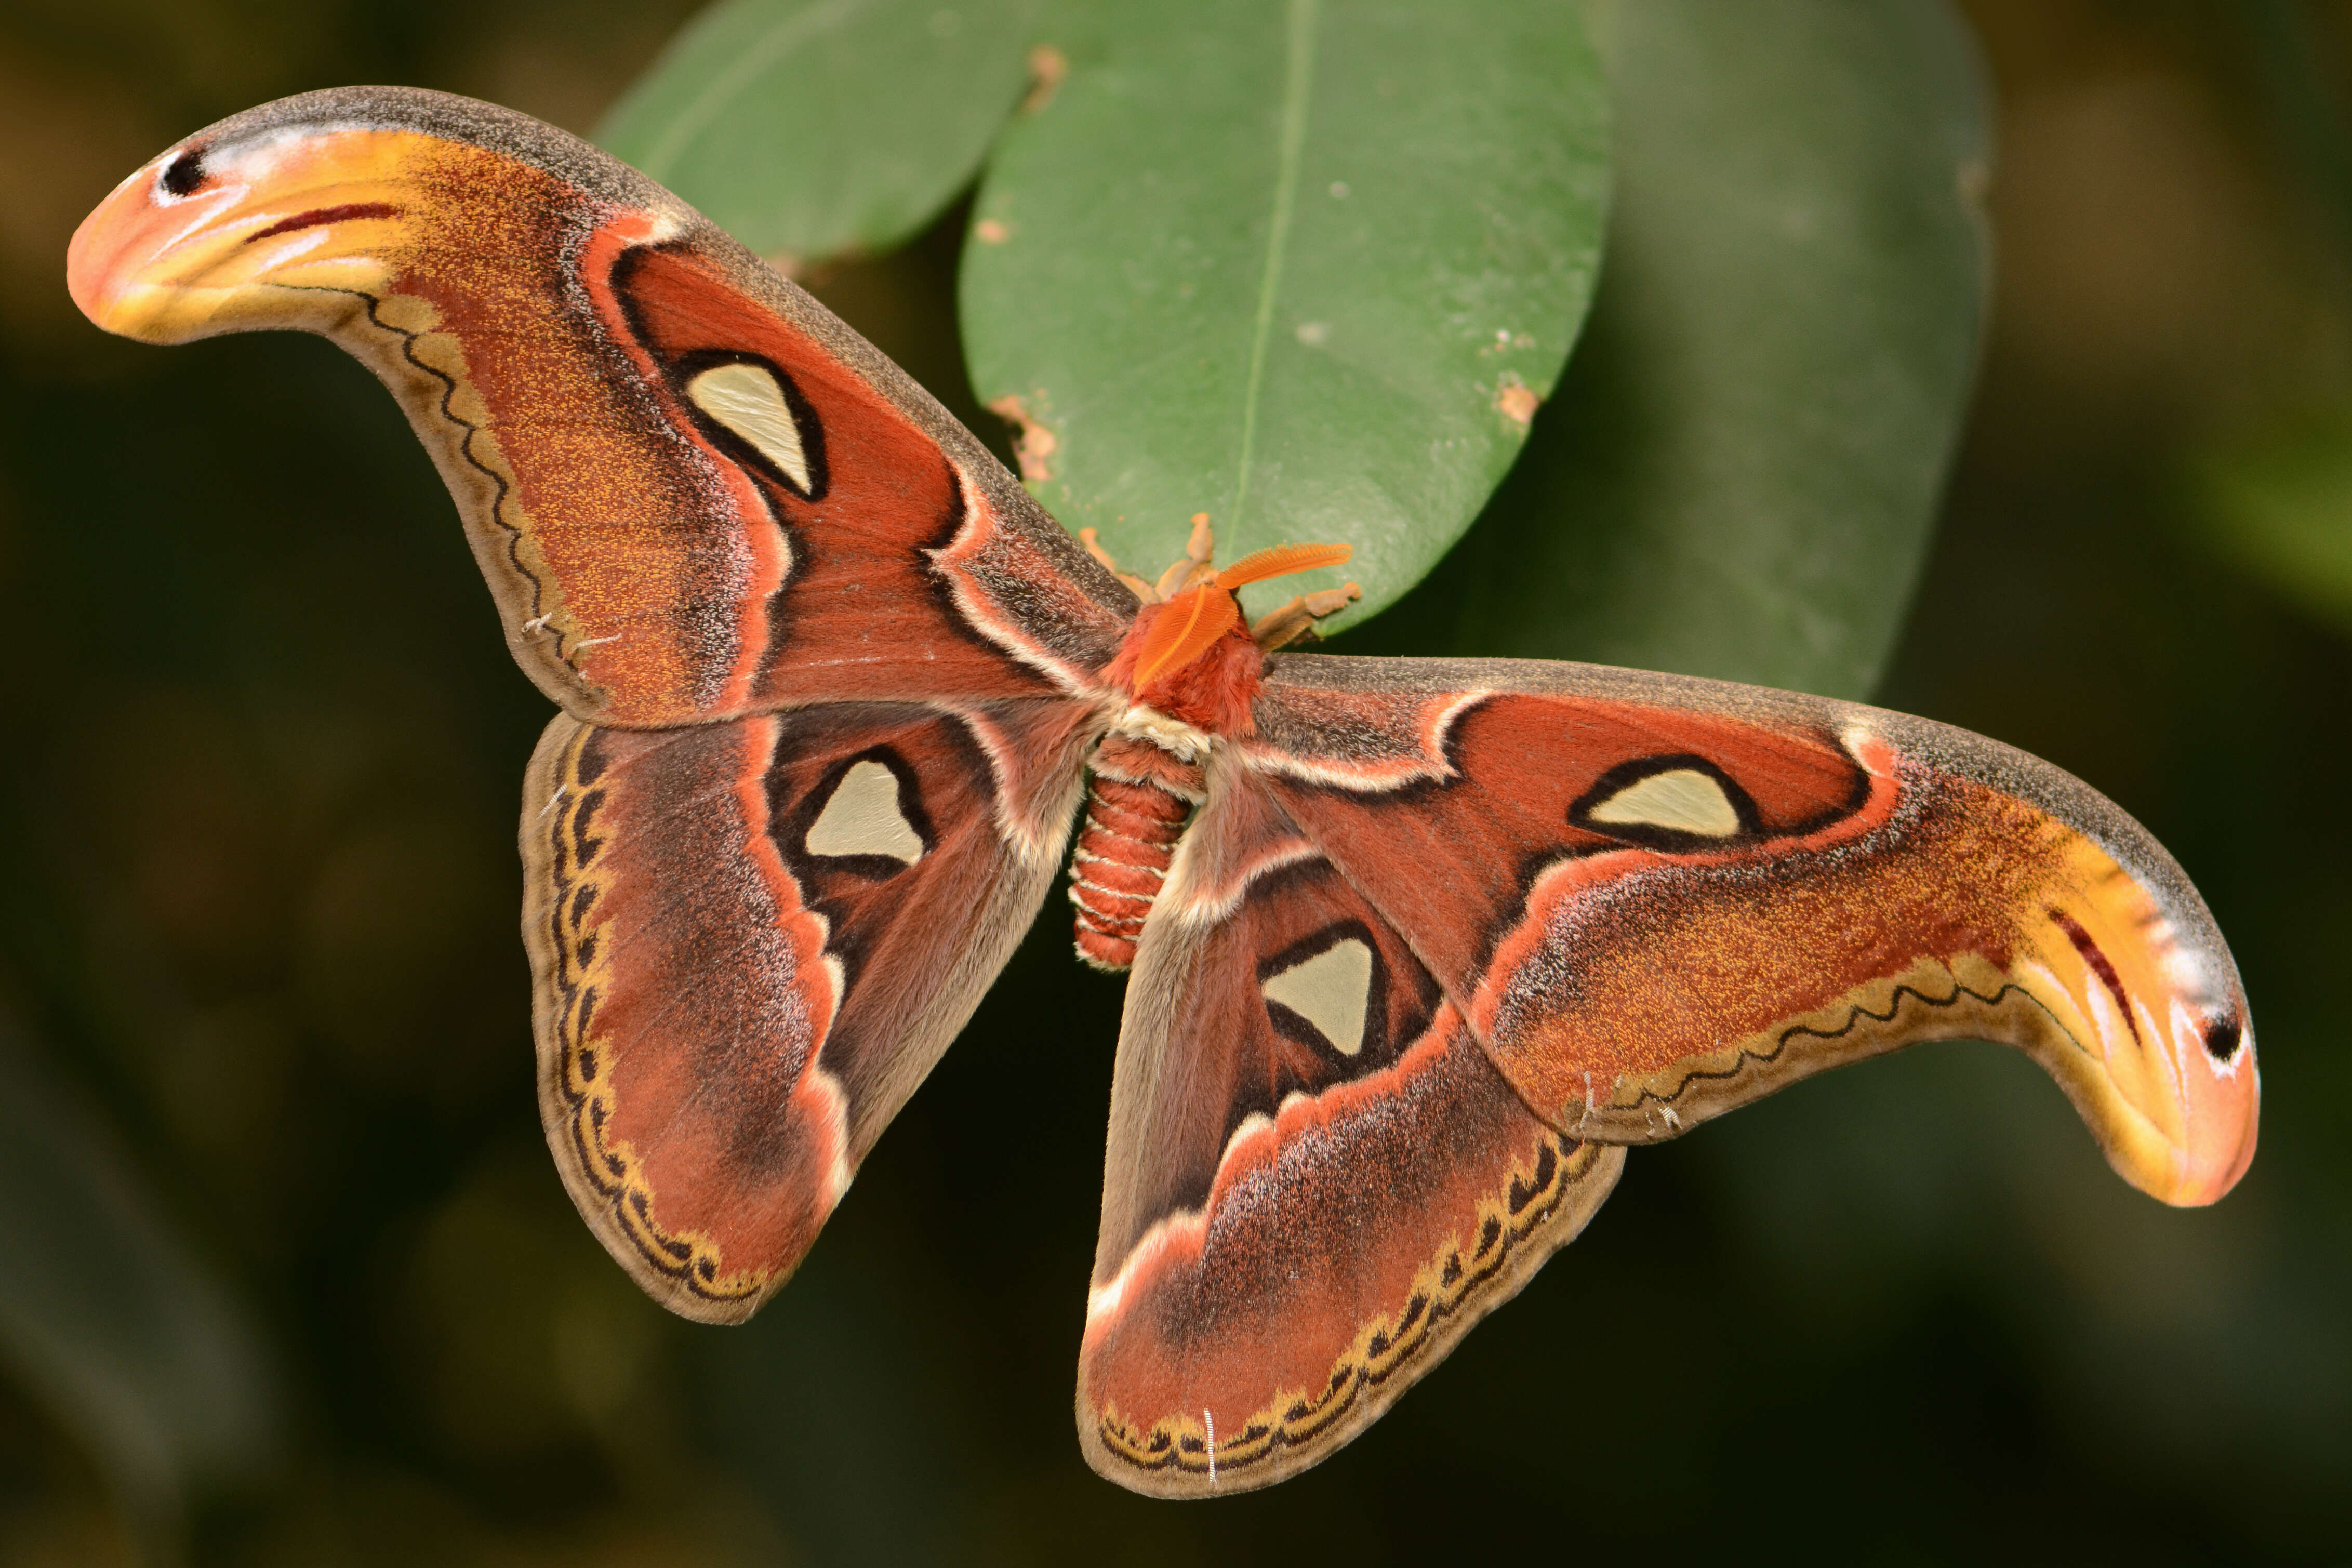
(1142, 795)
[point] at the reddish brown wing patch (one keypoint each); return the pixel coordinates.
(695, 493)
(1953, 911)
(1317, 1181)
(891, 550)
(1341, 1256)
(1817, 882)
(1511, 783)
(633, 562)
(751, 942)
(1245, 1044)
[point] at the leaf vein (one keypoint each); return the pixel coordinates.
(1298, 91)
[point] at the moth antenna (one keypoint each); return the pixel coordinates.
(1160, 643)
(1174, 641)
(1281, 561)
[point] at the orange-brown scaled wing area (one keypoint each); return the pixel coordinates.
(1316, 1179)
(1664, 898)
(751, 942)
(695, 493)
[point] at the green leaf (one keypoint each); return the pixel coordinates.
(108, 1318)
(1739, 475)
(811, 128)
(1293, 266)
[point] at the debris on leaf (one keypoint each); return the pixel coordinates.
(1032, 442)
(1517, 401)
(1047, 67)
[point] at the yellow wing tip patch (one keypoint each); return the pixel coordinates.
(2171, 1121)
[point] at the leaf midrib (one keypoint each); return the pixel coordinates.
(1298, 91)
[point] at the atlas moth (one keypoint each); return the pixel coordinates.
(1416, 948)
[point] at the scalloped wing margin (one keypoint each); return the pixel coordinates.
(1316, 1180)
(751, 940)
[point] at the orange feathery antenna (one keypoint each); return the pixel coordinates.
(1280, 562)
(1178, 635)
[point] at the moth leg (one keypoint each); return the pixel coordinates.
(1198, 551)
(1136, 585)
(1296, 619)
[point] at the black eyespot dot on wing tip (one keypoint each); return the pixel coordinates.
(2223, 1036)
(184, 174)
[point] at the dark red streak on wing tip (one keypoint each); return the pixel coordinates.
(317, 216)
(2100, 964)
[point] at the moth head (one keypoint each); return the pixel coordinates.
(1183, 630)
(228, 231)
(1191, 655)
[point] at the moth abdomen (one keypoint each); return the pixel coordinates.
(1140, 798)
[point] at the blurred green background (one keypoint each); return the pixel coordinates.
(263, 1011)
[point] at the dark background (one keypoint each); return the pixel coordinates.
(259, 745)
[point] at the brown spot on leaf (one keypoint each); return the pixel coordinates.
(1047, 68)
(1517, 401)
(988, 231)
(1032, 442)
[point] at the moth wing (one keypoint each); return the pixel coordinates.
(1654, 898)
(751, 940)
(694, 492)
(1316, 1180)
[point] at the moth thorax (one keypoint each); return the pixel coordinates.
(1142, 795)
